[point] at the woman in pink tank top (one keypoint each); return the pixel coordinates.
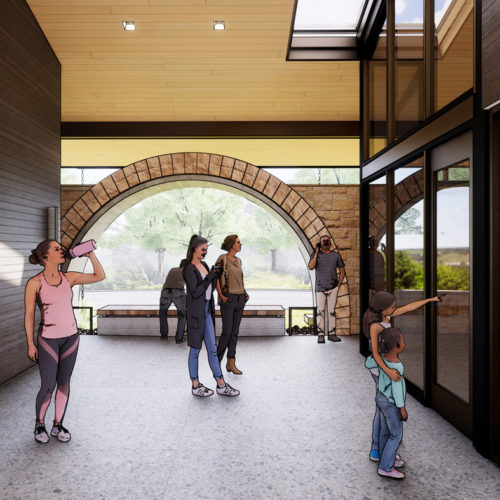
(57, 342)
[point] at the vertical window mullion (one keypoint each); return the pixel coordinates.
(429, 55)
(365, 111)
(390, 230)
(391, 72)
(429, 276)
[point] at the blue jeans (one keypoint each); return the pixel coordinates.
(391, 432)
(376, 419)
(209, 339)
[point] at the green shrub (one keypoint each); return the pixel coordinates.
(452, 277)
(408, 273)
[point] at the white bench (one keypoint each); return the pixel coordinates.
(257, 321)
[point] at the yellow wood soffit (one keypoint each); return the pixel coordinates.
(452, 23)
(265, 152)
(175, 67)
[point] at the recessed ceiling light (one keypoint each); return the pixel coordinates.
(128, 25)
(219, 25)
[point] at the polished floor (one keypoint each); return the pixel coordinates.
(299, 430)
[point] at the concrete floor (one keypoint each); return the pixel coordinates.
(299, 430)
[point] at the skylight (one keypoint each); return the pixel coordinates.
(335, 30)
(315, 15)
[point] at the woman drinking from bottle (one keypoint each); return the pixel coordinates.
(57, 343)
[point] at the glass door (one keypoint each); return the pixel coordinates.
(451, 335)
(408, 209)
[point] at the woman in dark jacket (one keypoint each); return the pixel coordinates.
(200, 306)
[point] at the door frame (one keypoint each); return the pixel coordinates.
(458, 412)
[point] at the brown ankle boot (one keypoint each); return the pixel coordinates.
(231, 367)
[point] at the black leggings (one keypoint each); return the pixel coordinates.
(231, 313)
(56, 360)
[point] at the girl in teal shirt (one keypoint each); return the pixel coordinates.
(390, 401)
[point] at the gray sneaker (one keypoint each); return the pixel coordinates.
(61, 433)
(201, 391)
(394, 474)
(227, 390)
(41, 435)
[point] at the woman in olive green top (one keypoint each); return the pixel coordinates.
(232, 299)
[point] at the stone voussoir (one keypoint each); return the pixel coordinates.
(178, 163)
(190, 161)
(154, 167)
(142, 169)
(166, 165)
(203, 163)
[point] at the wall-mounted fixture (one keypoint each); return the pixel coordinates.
(53, 223)
(219, 25)
(128, 25)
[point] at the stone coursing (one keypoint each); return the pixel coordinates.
(338, 208)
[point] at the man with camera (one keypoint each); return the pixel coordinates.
(326, 262)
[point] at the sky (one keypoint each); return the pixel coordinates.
(327, 14)
(342, 14)
(452, 219)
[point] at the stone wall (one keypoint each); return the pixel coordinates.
(70, 193)
(338, 207)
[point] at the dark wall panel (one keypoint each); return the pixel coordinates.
(491, 52)
(30, 157)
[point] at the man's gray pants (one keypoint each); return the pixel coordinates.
(178, 297)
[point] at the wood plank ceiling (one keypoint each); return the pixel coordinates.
(175, 67)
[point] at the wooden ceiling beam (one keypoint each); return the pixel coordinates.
(211, 129)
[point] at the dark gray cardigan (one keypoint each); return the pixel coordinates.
(195, 302)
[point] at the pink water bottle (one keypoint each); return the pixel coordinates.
(82, 248)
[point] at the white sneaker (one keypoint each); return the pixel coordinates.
(227, 390)
(40, 433)
(61, 433)
(201, 391)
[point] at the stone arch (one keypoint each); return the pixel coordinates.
(93, 211)
(407, 193)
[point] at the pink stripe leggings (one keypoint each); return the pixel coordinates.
(56, 360)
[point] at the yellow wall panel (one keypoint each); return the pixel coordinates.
(260, 152)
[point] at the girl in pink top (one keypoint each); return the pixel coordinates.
(58, 338)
